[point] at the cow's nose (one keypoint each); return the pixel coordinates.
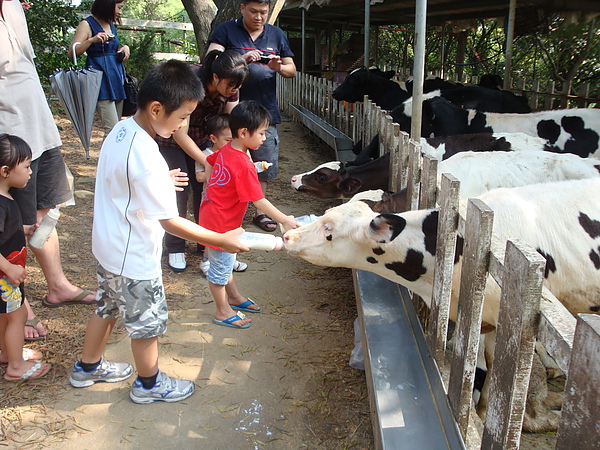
(294, 179)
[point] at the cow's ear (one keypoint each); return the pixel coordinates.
(350, 186)
(385, 227)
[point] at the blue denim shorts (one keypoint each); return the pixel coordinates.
(221, 266)
(268, 151)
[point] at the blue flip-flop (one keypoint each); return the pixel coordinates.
(229, 321)
(244, 307)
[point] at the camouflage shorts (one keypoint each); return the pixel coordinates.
(141, 303)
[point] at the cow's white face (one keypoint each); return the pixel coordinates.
(353, 236)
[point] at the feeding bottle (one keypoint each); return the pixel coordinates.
(302, 220)
(261, 241)
(262, 165)
(47, 224)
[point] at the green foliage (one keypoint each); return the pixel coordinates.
(546, 56)
(48, 22)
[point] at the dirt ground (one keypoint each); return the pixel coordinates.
(283, 383)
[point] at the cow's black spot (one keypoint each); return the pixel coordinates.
(550, 263)
(583, 141)
(411, 268)
(329, 237)
(549, 130)
(378, 251)
(395, 223)
(479, 124)
(371, 260)
(429, 228)
(460, 248)
(595, 258)
(595, 308)
(591, 226)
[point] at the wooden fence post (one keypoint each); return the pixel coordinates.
(580, 422)
(476, 255)
(515, 342)
(444, 265)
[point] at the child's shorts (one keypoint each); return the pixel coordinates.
(12, 297)
(141, 303)
(221, 266)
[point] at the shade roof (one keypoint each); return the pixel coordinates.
(388, 12)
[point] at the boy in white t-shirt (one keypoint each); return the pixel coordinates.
(134, 205)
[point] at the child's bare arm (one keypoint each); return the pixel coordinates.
(270, 210)
(188, 145)
(15, 273)
(188, 230)
(201, 176)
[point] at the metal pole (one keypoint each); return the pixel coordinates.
(510, 33)
(303, 38)
(443, 50)
(367, 30)
(418, 69)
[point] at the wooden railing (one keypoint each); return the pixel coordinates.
(514, 265)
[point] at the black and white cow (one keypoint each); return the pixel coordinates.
(567, 131)
(480, 172)
(362, 81)
(338, 180)
(560, 220)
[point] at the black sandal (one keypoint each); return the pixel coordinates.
(262, 221)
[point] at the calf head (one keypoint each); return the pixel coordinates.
(400, 247)
(321, 182)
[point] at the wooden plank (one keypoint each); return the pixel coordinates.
(428, 192)
(275, 11)
(515, 342)
(160, 24)
(556, 329)
(579, 425)
(477, 237)
(444, 266)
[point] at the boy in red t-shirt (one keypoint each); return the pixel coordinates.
(232, 184)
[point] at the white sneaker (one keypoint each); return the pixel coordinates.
(204, 266)
(177, 262)
(166, 389)
(239, 266)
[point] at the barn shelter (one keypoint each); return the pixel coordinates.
(313, 18)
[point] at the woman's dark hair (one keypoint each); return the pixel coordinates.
(216, 124)
(105, 9)
(171, 83)
(13, 150)
(248, 114)
(228, 65)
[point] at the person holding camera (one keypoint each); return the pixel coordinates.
(267, 51)
(96, 35)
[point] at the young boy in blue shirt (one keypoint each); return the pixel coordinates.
(134, 205)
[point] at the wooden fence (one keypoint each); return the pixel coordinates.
(528, 310)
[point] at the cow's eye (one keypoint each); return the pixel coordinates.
(321, 178)
(327, 227)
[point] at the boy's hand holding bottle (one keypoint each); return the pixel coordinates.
(231, 242)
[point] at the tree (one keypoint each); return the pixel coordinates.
(227, 10)
(201, 13)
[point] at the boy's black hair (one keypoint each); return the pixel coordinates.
(248, 114)
(13, 150)
(227, 65)
(216, 124)
(105, 10)
(170, 83)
